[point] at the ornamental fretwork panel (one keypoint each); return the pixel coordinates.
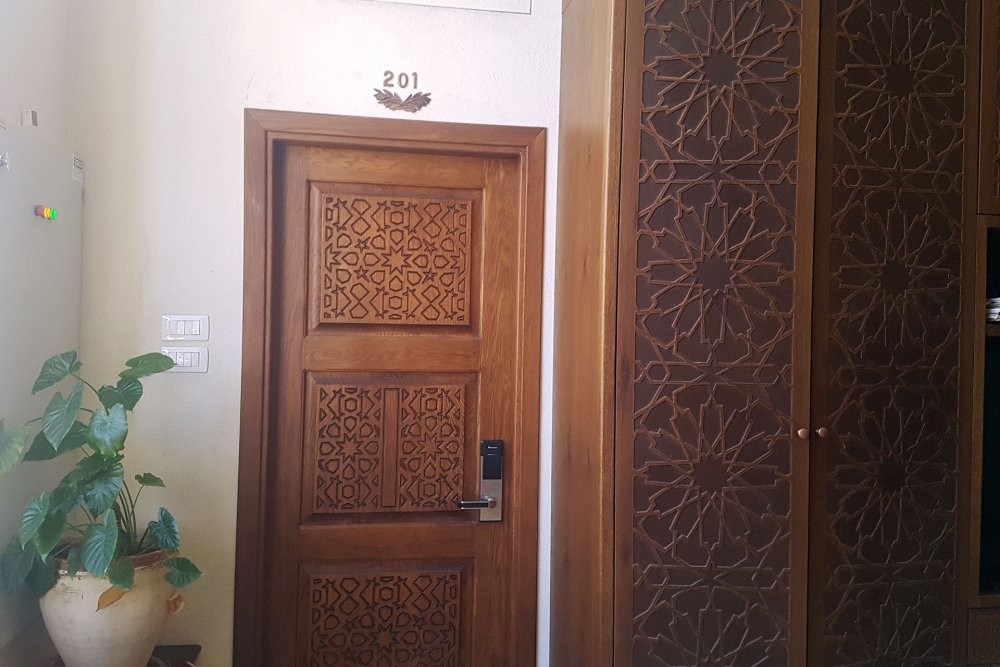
(384, 446)
(391, 260)
(714, 281)
(384, 619)
(893, 333)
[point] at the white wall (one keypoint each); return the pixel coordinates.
(158, 98)
(40, 263)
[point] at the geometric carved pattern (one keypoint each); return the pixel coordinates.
(432, 437)
(397, 619)
(393, 260)
(387, 447)
(351, 448)
(893, 334)
(713, 332)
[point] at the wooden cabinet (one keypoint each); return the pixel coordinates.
(989, 118)
(766, 275)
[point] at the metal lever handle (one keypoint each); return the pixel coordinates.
(487, 502)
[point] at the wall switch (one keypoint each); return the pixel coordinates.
(29, 118)
(187, 359)
(184, 327)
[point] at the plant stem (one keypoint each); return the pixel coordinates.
(96, 393)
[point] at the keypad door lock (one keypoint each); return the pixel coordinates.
(490, 505)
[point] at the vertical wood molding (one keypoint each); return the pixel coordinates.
(584, 382)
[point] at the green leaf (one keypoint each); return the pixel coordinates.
(107, 430)
(110, 396)
(61, 415)
(101, 490)
(99, 545)
(165, 531)
(130, 390)
(89, 466)
(122, 574)
(147, 364)
(33, 516)
(127, 393)
(15, 564)
(65, 498)
(149, 479)
(49, 533)
(182, 572)
(41, 578)
(73, 561)
(13, 442)
(55, 369)
(43, 450)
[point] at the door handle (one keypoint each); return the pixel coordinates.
(486, 502)
(490, 505)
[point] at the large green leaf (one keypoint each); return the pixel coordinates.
(107, 430)
(147, 364)
(90, 466)
(149, 479)
(13, 442)
(122, 574)
(131, 390)
(127, 392)
(33, 516)
(43, 450)
(15, 564)
(165, 531)
(50, 532)
(55, 369)
(182, 572)
(99, 545)
(61, 415)
(101, 489)
(41, 578)
(66, 497)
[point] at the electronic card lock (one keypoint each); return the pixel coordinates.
(490, 506)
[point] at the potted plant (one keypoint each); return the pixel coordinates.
(105, 583)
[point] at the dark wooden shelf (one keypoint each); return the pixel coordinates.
(991, 221)
(985, 601)
(992, 330)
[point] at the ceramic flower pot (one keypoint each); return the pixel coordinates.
(121, 635)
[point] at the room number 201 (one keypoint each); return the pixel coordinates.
(401, 80)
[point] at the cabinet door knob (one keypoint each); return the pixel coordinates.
(803, 433)
(822, 431)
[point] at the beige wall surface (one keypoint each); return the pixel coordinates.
(158, 91)
(40, 270)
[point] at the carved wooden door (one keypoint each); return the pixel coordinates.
(713, 335)
(892, 210)
(404, 319)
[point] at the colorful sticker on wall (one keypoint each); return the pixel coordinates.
(46, 212)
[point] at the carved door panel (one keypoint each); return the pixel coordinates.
(712, 333)
(400, 304)
(891, 207)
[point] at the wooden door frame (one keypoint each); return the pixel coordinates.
(264, 131)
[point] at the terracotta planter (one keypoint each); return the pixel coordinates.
(122, 635)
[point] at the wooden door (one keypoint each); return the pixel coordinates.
(894, 210)
(714, 314)
(403, 301)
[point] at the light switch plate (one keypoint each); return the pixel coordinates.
(184, 327)
(187, 359)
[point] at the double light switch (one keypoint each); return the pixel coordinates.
(187, 359)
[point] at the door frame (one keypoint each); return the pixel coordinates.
(264, 131)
